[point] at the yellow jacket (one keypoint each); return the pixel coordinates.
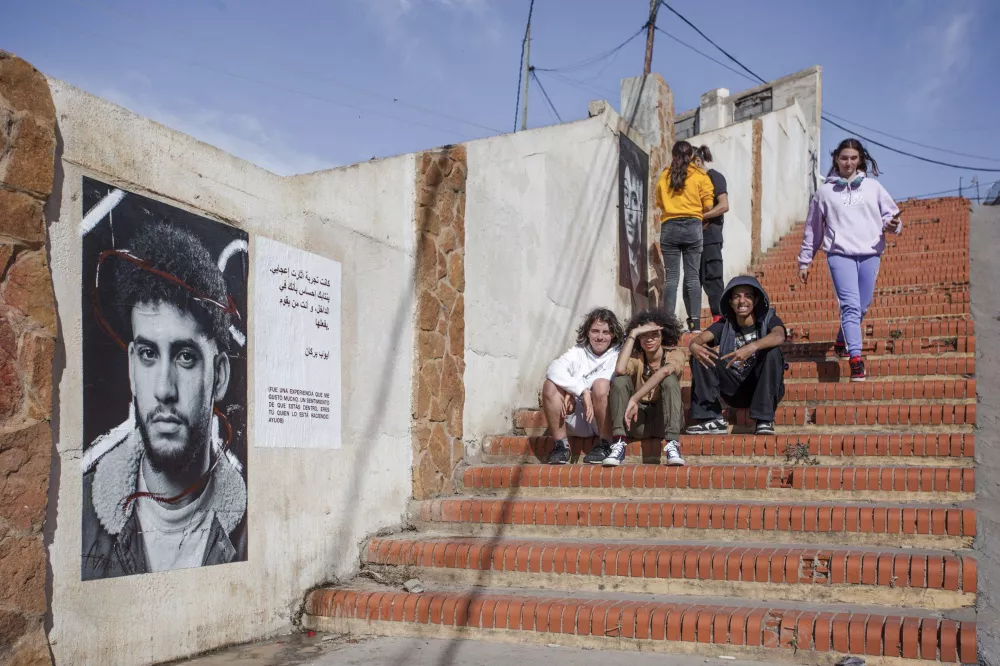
(697, 196)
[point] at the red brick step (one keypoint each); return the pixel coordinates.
(735, 563)
(843, 414)
(917, 446)
(857, 481)
(880, 524)
(612, 621)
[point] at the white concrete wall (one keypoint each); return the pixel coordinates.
(308, 509)
(786, 179)
(541, 250)
(786, 173)
(804, 88)
(732, 153)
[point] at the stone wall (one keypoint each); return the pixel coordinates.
(27, 342)
(439, 363)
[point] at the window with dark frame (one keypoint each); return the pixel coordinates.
(753, 105)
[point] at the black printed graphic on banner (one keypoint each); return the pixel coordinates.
(164, 386)
(633, 180)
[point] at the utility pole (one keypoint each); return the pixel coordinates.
(960, 186)
(527, 76)
(527, 73)
(654, 6)
(975, 179)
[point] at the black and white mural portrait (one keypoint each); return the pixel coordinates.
(633, 179)
(165, 386)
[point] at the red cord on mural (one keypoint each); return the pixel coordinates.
(102, 322)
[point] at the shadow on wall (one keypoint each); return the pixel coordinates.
(53, 212)
(574, 265)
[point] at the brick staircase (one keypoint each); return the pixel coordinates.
(846, 533)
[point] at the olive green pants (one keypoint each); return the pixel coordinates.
(656, 420)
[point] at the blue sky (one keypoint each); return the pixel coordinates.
(302, 85)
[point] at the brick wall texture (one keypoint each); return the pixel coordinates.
(27, 343)
(439, 363)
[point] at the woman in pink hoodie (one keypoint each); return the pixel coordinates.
(848, 218)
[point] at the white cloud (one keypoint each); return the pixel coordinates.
(395, 20)
(944, 50)
(241, 134)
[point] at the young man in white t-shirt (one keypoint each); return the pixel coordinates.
(577, 384)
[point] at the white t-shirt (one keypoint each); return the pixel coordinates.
(577, 369)
(175, 538)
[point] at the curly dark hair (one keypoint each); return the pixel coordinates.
(609, 318)
(863, 163)
(177, 252)
(670, 325)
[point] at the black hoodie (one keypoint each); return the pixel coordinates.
(765, 319)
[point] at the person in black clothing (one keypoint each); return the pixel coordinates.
(740, 359)
(711, 253)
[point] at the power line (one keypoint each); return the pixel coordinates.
(705, 55)
(236, 75)
(579, 85)
(707, 39)
(593, 60)
(934, 194)
(545, 95)
(321, 77)
(520, 71)
(825, 116)
(903, 152)
(915, 143)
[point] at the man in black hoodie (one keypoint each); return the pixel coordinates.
(740, 359)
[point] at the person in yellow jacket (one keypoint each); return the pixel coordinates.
(684, 193)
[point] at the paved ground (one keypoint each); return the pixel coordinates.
(324, 650)
(984, 237)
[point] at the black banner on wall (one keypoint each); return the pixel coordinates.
(633, 181)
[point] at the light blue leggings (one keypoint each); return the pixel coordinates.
(854, 281)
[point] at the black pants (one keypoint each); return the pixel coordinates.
(760, 390)
(711, 275)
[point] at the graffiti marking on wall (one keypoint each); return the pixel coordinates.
(633, 179)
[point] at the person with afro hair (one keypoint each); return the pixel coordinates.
(645, 400)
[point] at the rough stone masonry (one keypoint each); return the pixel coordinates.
(438, 384)
(27, 342)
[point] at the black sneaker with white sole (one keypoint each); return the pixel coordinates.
(560, 452)
(598, 453)
(617, 454)
(764, 428)
(713, 427)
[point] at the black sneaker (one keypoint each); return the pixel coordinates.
(713, 427)
(598, 453)
(560, 452)
(617, 454)
(764, 428)
(840, 349)
(694, 325)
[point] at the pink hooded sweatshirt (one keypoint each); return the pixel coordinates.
(848, 220)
